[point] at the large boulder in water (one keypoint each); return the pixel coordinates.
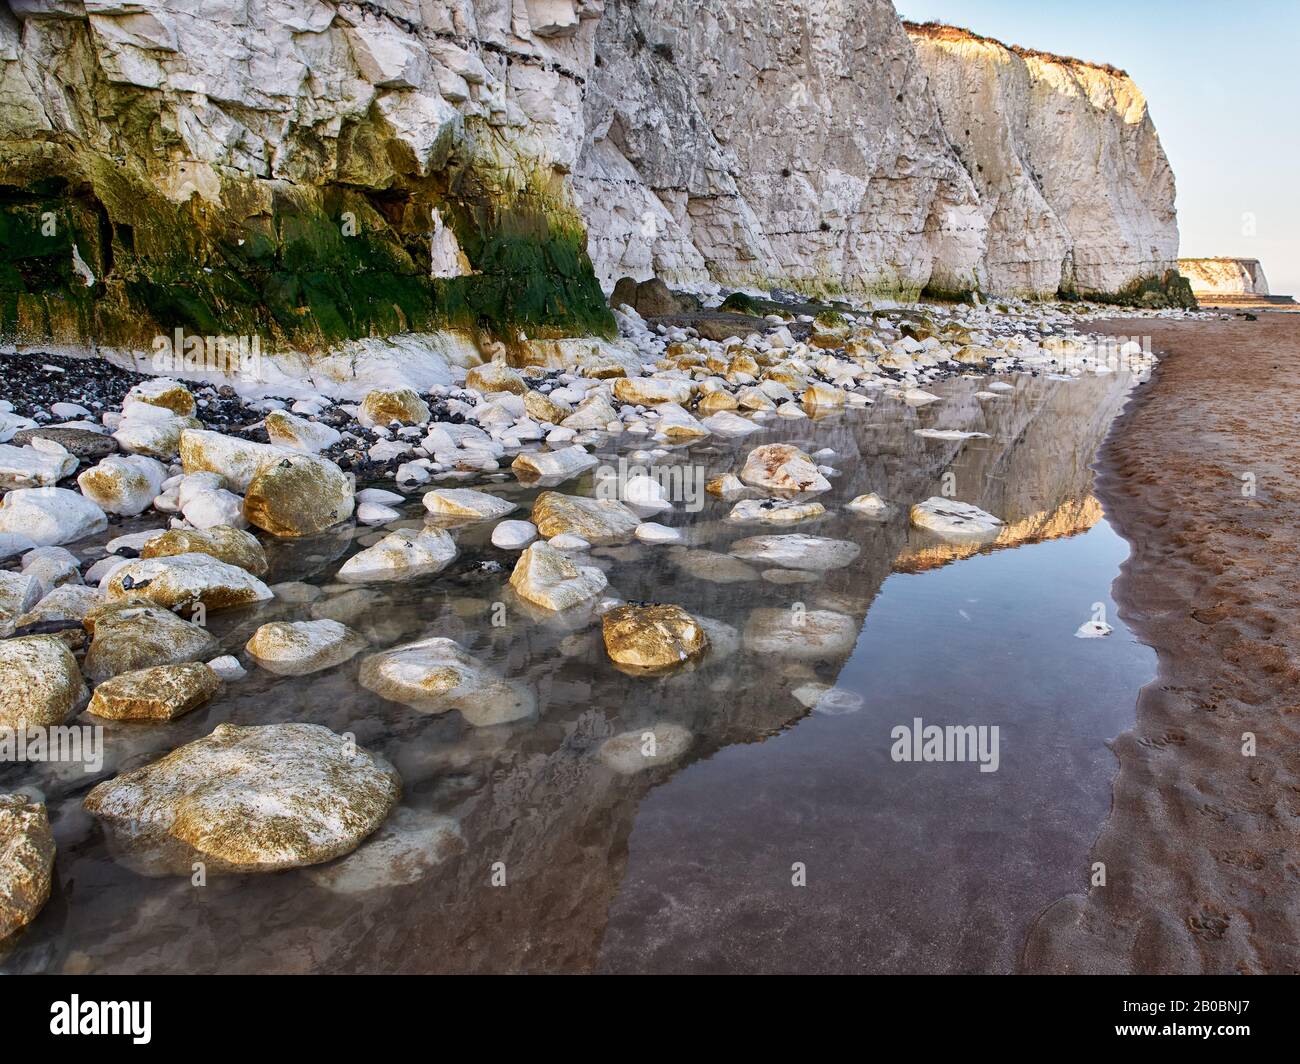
(598, 521)
(781, 467)
(26, 861)
(40, 683)
(549, 578)
(163, 692)
(256, 799)
(50, 516)
(652, 638)
(301, 495)
(180, 581)
(134, 634)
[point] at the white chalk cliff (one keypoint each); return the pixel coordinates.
(1225, 276)
(313, 171)
(759, 143)
(1072, 179)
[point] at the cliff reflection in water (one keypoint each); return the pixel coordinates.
(551, 861)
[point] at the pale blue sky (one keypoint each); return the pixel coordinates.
(1222, 81)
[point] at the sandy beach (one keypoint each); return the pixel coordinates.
(1201, 474)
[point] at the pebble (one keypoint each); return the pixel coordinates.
(514, 535)
(651, 532)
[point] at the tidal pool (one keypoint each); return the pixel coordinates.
(786, 838)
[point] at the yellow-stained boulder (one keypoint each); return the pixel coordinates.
(163, 692)
(40, 683)
(301, 495)
(653, 637)
(223, 542)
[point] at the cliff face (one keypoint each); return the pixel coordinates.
(301, 170)
(1073, 182)
(309, 171)
(759, 143)
(1225, 277)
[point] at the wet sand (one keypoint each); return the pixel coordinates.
(1202, 845)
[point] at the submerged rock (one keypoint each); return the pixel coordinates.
(830, 701)
(40, 682)
(800, 633)
(548, 578)
(950, 518)
(796, 551)
(163, 692)
(638, 750)
(437, 675)
(711, 566)
(652, 637)
(26, 861)
(409, 847)
(296, 648)
(256, 799)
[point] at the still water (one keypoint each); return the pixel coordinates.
(786, 838)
